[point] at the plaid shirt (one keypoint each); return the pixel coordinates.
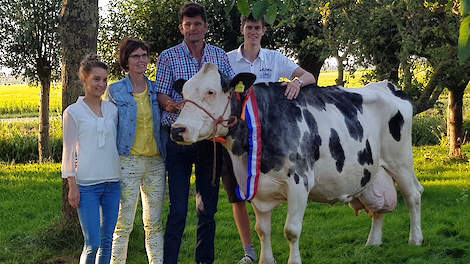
(178, 63)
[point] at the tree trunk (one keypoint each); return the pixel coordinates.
(340, 79)
(79, 32)
(455, 122)
(43, 142)
(311, 64)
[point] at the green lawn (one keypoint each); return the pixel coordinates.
(30, 198)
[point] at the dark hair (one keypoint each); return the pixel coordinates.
(126, 47)
(88, 63)
(192, 10)
(250, 18)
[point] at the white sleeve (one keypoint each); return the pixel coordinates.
(287, 66)
(69, 149)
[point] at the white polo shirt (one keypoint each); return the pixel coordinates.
(268, 67)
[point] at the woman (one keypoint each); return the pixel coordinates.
(90, 161)
(140, 143)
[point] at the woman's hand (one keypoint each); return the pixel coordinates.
(74, 193)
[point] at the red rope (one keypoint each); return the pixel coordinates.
(231, 122)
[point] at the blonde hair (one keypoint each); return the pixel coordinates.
(88, 63)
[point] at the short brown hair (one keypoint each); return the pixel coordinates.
(126, 47)
(250, 18)
(192, 10)
(88, 63)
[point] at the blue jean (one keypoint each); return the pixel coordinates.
(98, 212)
(180, 160)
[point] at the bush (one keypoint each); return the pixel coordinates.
(428, 129)
(19, 141)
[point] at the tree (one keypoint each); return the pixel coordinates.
(404, 37)
(30, 46)
(78, 31)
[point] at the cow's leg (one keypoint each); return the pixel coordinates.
(296, 204)
(411, 190)
(263, 228)
(375, 235)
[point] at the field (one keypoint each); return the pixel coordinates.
(30, 198)
(23, 101)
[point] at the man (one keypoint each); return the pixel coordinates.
(182, 62)
(268, 66)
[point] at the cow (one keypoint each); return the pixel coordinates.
(331, 144)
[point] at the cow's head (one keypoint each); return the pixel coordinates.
(211, 91)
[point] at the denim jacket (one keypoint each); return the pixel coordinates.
(121, 94)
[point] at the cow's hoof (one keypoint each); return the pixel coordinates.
(373, 243)
(267, 261)
(418, 242)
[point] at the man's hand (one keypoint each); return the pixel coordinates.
(172, 107)
(292, 89)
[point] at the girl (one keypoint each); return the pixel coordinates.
(90, 161)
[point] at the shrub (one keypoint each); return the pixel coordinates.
(19, 141)
(428, 129)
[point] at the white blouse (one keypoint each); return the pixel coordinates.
(89, 144)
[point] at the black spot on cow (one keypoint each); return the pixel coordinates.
(365, 156)
(349, 104)
(299, 169)
(311, 141)
(399, 93)
(366, 178)
(395, 124)
(296, 178)
(391, 87)
(279, 118)
(336, 150)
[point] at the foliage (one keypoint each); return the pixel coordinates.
(464, 37)
(155, 22)
(23, 101)
(30, 201)
(30, 44)
(19, 140)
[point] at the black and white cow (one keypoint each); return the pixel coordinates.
(331, 144)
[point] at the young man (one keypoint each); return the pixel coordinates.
(268, 66)
(182, 62)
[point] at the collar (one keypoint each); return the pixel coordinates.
(130, 88)
(188, 53)
(261, 54)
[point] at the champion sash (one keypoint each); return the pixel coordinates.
(247, 191)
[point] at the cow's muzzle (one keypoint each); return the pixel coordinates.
(176, 134)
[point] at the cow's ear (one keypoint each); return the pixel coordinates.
(246, 78)
(178, 85)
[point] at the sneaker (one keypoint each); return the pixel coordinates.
(246, 259)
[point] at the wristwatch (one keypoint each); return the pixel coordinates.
(300, 81)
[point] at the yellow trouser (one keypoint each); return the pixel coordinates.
(146, 174)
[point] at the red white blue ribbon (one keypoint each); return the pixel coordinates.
(250, 110)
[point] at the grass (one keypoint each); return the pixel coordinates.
(30, 198)
(19, 140)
